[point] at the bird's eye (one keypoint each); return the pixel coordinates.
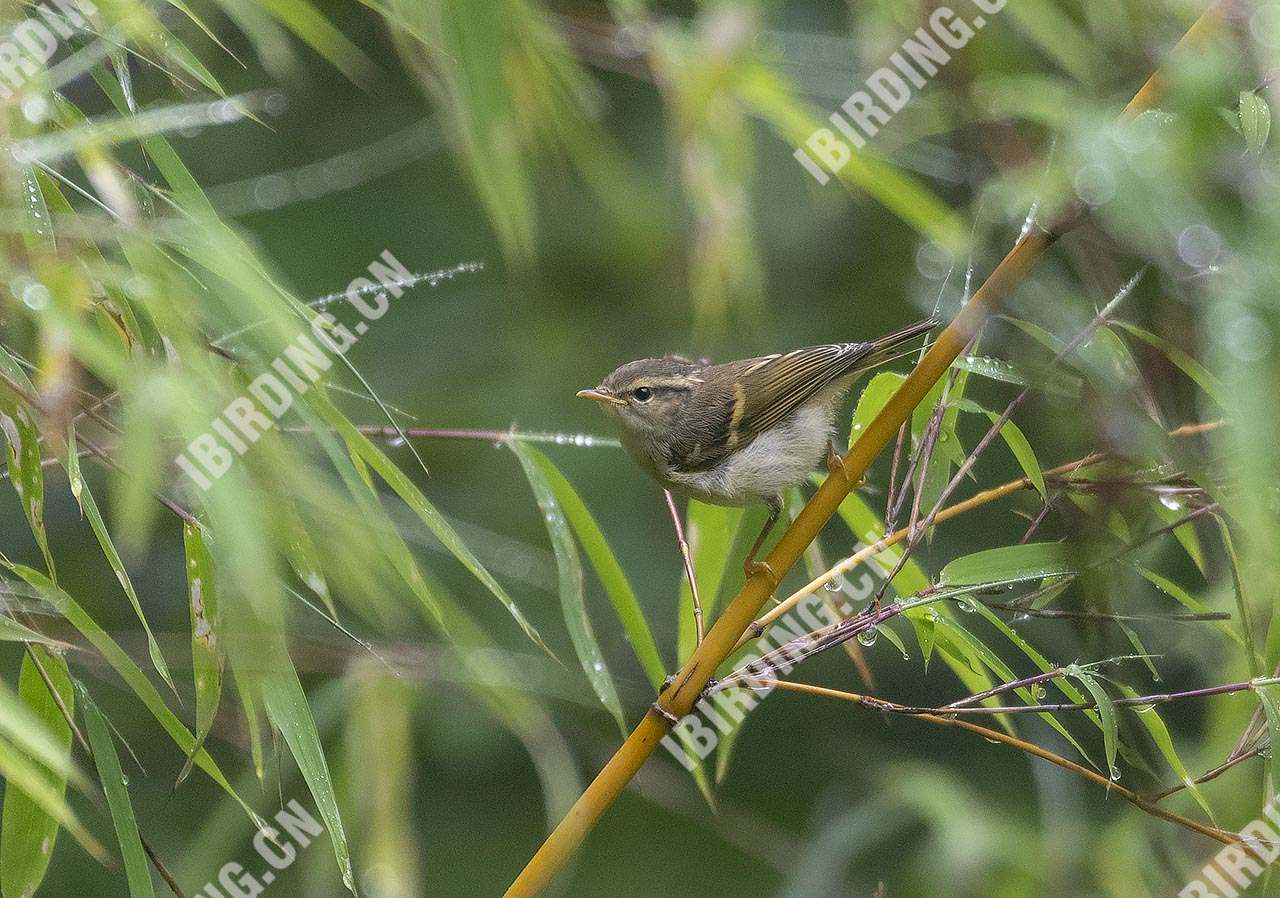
(642, 394)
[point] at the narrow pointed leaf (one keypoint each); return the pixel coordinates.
(113, 784)
(89, 506)
(134, 678)
(1032, 561)
(22, 453)
(29, 832)
(606, 566)
(289, 710)
(572, 599)
(206, 647)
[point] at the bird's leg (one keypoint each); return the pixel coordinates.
(751, 567)
(688, 564)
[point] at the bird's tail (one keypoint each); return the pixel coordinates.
(893, 346)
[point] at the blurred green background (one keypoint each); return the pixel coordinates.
(654, 212)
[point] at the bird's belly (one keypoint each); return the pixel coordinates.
(768, 466)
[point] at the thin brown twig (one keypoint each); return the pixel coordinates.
(1219, 835)
(688, 564)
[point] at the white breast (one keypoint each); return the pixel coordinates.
(772, 463)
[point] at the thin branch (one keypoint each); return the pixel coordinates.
(1150, 807)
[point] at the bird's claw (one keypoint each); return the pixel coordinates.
(835, 462)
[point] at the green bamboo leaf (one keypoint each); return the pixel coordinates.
(874, 398)
(1139, 648)
(1032, 561)
(287, 706)
(28, 832)
(22, 453)
(1269, 696)
(572, 600)
(12, 631)
(134, 678)
(1243, 610)
(1055, 381)
(305, 561)
(1185, 534)
(1022, 451)
(1150, 718)
(25, 726)
(1172, 589)
(180, 55)
(1106, 711)
(1028, 695)
(1199, 374)
(80, 489)
(114, 785)
(306, 21)
(606, 567)
(24, 775)
(249, 703)
(956, 646)
(37, 211)
(994, 369)
(206, 646)
(1017, 443)
(1255, 121)
(407, 490)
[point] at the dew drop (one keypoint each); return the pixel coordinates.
(868, 637)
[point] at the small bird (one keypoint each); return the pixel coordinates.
(739, 433)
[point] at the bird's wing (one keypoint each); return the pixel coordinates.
(767, 390)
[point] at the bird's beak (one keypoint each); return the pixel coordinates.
(600, 395)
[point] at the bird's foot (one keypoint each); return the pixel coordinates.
(835, 462)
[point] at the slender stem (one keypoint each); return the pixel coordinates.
(1223, 836)
(688, 564)
(1137, 700)
(1103, 616)
(486, 436)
